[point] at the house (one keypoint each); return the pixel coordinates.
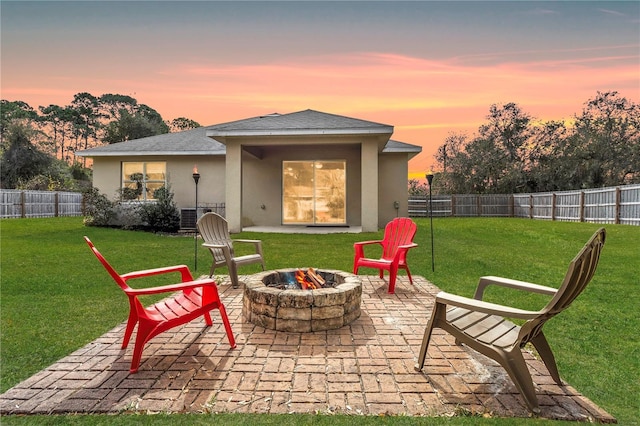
(306, 168)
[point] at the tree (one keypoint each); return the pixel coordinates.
(607, 141)
(132, 126)
(510, 154)
(113, 105)
(21, 160)
(129, 120)
(87, 115)
(550, 166)
(506, 136)
(61, 120)
(455, 165)
(182, 123)
(14, 110)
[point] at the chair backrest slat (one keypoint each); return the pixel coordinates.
(215, 229)
(579, 274)
(118, 279)
(399, 231)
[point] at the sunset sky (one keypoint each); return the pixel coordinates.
(428, 68)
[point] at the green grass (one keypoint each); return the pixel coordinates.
(55, 298)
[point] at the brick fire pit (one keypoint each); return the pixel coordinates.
(268, 303)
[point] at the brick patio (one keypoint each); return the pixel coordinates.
(365, 368)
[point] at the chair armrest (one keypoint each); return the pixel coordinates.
(183, 269)
(214, 245)
(226, 251)
(486, 307)
(171, 288)
(507, 282)
(401, 253)
(248, 241)
(359, 247)
(364, 243)
(407, 246)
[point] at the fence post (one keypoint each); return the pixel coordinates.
(23, 206)
(553, 206)
(530, 206)
(618, 197)
(56, 201)
(581, 206)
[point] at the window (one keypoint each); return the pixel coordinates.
(140, 180)
(314, 192)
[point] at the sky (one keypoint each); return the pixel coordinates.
(430, 69)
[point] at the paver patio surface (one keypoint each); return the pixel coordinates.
(365, 368)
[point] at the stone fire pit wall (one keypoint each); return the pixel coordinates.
(302, 310)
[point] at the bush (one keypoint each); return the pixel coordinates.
(98, 210)
(162, 215)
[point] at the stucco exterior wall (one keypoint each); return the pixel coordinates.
(107, 177)
(262, 180)
(393, 186)
(211, 184)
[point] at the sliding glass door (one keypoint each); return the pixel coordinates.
(314, 192)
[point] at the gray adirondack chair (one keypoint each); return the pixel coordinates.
(483, 326)
(215, 233)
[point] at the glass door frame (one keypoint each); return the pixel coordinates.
(333, 210)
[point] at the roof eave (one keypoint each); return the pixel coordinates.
(299, 132)
(147, 153)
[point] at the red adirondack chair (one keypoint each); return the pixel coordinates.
(191, 300)
(398, 239)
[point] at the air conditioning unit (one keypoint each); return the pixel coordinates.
(187, 218)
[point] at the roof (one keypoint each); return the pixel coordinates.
(188, 142)
(399, 147)
(200, 141)
(307, 122)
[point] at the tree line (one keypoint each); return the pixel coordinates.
(38, 146)
(515, 153)
(511, 153)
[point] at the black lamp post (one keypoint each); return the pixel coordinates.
(430, 181)
(196, 179)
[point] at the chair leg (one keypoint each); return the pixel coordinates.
(207, 319)
(543, 348)
(233, 274)
(427, 338)
(409, 274)
(144, 334)
(227, 325)
(393, 273)
(131, 323)
(516, 367)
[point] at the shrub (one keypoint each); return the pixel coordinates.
(163, 214)
(98, 210)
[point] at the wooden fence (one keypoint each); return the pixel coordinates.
(620, 205)
(15, 203)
